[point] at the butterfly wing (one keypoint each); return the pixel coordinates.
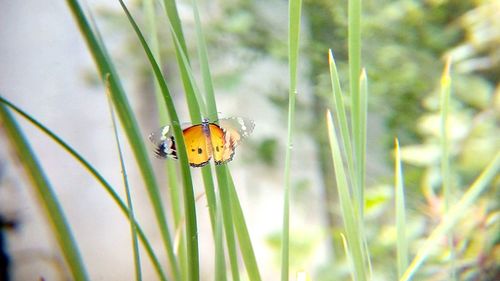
(198, 146)
(222, 151)
(229, 134)
(163, 142)
(237, 128)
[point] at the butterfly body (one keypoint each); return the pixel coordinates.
(204, 141)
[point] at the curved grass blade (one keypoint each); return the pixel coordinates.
(194, 100)
(129, 123)
(45, 195)
(170, 165)
(457, 211)
(189, 201)
(131, 217)
(98, 177)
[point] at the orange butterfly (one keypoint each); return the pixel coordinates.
(204, 141)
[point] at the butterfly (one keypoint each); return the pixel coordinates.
(204, 141)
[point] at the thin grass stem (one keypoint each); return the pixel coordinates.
(133, 228)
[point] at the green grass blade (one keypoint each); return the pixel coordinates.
(361, 158)
(204, 65)
(340, 114)
(240, 227)
(353, 230)
(228, 220)
(455, 213)
(175, 22)
(45, 195)
(294, 12)
(98, 177)
(363, 111)
(189, 200)
(354, 42)
(195, 101)
(129, 123)
(445, 156)
(133, 228)
(243, 235)
(402, 241)
(348, 255)
(445, 144)
(170, 165)
(220, 261)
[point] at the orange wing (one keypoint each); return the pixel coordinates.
(222, 149)
(198, 146)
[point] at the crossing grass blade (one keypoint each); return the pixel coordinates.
(189, 200)
(131, 217)
(109, 189)
(353, 231)
(402, 242)
(170, 165)
(129, 123)
(45, 195)
(455, 213)
(211, 109)
(340, 114)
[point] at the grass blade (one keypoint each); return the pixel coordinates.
(129, 123)
(98, 177)
(445, 155)
(228, 219)
(353, 230)
(402, 242)
(171, 172)
(457, 211)
(340, 114)
(45, 195)
(133, 228)
(175, 22)
(294, 12)
(361, 157)
(204, 64)
(189, 200)
(220, 261)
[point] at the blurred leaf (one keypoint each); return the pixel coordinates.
(267, 150)
(421, 154)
